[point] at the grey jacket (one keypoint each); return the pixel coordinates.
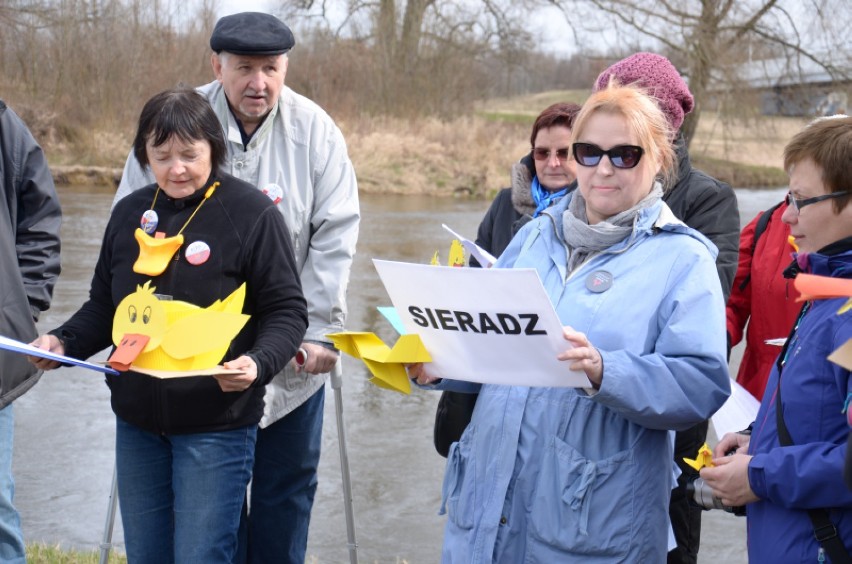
(298, 155)
(30, 218)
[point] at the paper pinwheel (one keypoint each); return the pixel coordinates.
(383, 362)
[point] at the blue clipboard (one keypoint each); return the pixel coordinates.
(16, 346)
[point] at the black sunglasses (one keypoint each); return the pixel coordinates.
(621, 156)
(799, 204)
(542, 154)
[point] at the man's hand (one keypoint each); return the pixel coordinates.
(238, 382)
(47, 343)
(319, 359)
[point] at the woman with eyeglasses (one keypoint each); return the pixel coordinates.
(540, 178)
(788, 471)
(584, 475)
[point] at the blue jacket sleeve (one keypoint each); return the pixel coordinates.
(684, 379)
(810, 475)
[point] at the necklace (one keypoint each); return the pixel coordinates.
(155, 253)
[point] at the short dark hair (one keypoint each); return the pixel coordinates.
(183, 113)
(828, 143)
(561, 113)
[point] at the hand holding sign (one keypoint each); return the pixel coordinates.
(494, 326)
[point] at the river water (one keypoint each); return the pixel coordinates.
(65, 429)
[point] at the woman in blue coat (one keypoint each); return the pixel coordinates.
(782, 483)
(584, 475)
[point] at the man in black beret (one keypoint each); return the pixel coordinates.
(289, 148)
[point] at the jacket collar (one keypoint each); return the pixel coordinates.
(232, 129)
(658, 217)
(833, 260)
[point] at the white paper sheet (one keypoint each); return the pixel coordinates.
(481, 325)
(737, 413)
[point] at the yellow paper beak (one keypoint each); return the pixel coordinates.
(155, 254)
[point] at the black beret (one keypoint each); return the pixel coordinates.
(251, 33)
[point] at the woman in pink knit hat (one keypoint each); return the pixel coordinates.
(708, 206)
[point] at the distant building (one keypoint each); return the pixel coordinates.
(798, 86)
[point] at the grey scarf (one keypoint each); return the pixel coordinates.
(583, 239)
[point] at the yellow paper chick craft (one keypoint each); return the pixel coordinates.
(383, 362)
(704, 458)
(454, 258)
(792, 241)
(165, 335)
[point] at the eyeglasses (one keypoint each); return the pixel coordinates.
(542, 154)
(797, 205)
(621, 156)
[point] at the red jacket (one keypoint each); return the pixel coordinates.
(768, 302)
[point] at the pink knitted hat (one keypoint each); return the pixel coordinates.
(658, 76)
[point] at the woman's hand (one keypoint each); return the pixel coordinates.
(729, 480)
(417, 372)
(238, 382)
(47, 343)
(583, 356)
(737, 442)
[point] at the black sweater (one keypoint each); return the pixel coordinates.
(248, 243)
(710, 207)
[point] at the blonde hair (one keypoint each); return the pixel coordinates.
(644, 119)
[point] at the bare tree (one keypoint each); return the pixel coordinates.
(426, 56)
(713, 38)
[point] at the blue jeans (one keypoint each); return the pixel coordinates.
(11, 540)
(181, 495)
(284, 484)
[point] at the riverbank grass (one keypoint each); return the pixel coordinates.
(470, 156)
(43, 554)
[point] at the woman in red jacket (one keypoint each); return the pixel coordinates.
(762, 297)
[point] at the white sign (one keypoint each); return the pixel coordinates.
(737, 413)
(492, 325)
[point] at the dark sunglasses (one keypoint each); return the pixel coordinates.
(621, 156)
(799, 204)
(542, 154)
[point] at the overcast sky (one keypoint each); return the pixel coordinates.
(555, 34)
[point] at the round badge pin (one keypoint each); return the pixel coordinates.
(197, 253)
(275, 192)
(149, 222)
(599, 281)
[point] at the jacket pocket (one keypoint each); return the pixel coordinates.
(583, 506)
(458, 493)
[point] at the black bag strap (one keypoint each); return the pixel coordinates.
(761, 226)
(824, 530)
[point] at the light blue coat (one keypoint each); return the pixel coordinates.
(572, 475)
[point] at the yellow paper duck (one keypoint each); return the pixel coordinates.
(172, 335)
(703, 459)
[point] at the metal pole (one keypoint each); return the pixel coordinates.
(336, 384)
(106, 543)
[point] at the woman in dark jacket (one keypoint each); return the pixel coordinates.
(541, 178)
(185, 446)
